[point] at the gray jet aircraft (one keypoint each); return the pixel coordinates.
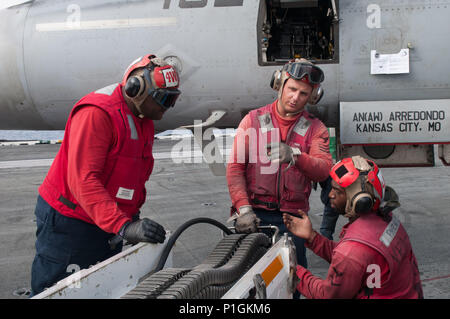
(387, 88)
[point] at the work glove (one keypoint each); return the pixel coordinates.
(282, 153)
(145, 230)
(246, 221)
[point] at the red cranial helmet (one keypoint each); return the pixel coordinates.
(363, 183)
(153, 77)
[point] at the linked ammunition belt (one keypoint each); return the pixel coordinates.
(233, 256)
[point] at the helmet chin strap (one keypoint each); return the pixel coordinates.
(294, 114)
(287, 114)
(138, 103)
(138, 108)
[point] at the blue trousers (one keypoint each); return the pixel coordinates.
(330, 216)
(275, 218)
(63, 245)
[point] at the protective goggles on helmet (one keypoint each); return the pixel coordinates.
(299, 70)
(165, 98)
(164, 78)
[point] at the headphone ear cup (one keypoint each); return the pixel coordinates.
(134, 86)
(275, 81)
(316, 95)
(362, 203)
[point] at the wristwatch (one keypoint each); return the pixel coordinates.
(296, 151)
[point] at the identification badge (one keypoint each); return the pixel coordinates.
(125, 193)
(390, 231)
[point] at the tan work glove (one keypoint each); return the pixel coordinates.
(246, 220)
(282, 153)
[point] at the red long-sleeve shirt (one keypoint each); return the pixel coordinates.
(348, 270)
(91, 136)
(315, 165)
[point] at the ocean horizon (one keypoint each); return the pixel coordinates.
(53, 135)
(25, 135)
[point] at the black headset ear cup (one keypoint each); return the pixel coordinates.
(362, 203)
(134, 86)
(272, 81)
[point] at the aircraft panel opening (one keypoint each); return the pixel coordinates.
(291, 29)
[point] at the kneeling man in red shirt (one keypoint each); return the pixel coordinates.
(374, 257)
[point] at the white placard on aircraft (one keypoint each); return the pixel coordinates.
(389, 122)
(396, 63)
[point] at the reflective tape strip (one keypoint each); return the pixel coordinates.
(133, 131)
(272, 270)
(265, 122)
(390, 231)
(108, 90)
(302, 126)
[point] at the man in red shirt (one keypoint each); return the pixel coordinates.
(278, 150)
(373, 258)
(96, 185)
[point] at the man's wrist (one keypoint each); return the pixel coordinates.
(312, 236)
(296, 151)
(121, 232)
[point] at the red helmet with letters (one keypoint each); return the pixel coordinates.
(155, 78)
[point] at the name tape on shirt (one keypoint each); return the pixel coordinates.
(125, 193)
(390, 231)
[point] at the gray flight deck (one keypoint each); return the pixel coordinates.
(180, 192)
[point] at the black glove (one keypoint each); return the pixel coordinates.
(143, 230)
